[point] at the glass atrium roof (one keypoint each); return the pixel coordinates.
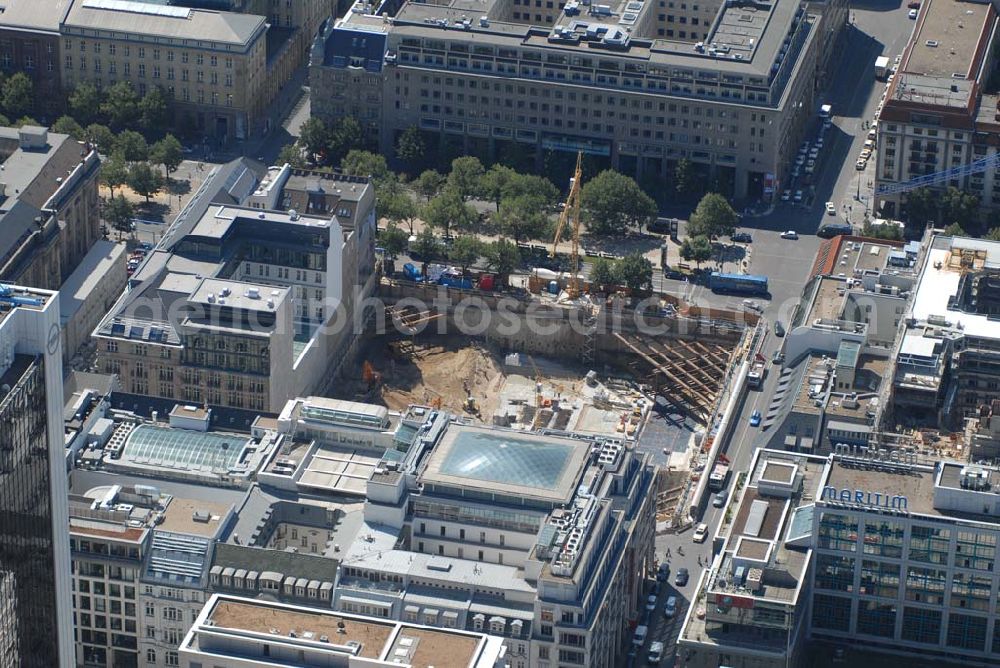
(496, 458)
(184, 449)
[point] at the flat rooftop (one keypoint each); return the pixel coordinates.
(916, 484)
(34, 15)
(194, 516)
(815, 385)
(828, 302)
(239, 295)
(509, 462)
(947, 38)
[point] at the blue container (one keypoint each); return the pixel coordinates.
(554, 287)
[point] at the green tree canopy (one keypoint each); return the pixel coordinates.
(345, 135)
(393, 240)
(121, 105)
(697, 249)
(132, 146)
(398, 207)
(883, 231)
(365, 163)
(602, 272)
(465, 175)
(427, 247)
(85, 103)
(713, 217)
(114, 172)
(685, 178)
(959, 206)
(464, 252)
(154, 110)
(494, 182)
(167, 152)
(144, 180)
(119, 212)
(921, 208)
(613, 202)
(955, 230)
(503, 257)
(411, 148)
(292, 155)
(523, 217)
(67, 125)
(634, 271)
(314, 137)
(447, 210)
(429, 183)
(532, 185)
(100, 136)
(18, 95)
(993, 235)
(26, 120)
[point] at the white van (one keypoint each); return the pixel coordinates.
(655, 653)
(639, 639)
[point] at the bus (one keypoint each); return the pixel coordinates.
(738, 283)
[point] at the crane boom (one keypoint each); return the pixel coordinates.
(974, 167)
(571, 211)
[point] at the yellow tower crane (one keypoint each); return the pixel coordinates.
(571, 212)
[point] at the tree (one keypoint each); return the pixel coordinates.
(523, 217)
(613, 202)
(314, 137)
(534, 186)
(365, 163)
(167, 152)
(4, 121)
(503, 257)
(447, 210)
(292, 155)
(345, 135)
(429, 183)
(685, 178)
(100, 136)
(144, 180)
(85, 103)
(921, 208)
(154, 109)
(114, 172)
(18, 95)
(67, 125)
(121, 105)
(398, 207)
(993, 235)
(465, 174)
(411, 147)
(427, 247)
(494, 182)
(602, 272)
(393, 240)
(886, 231)
(634, 271)
(119, 212)
(696, 249)
(25, 120)
(132, 146)
(955, 230)
(464, 252)
(713, 217)
(959, 206)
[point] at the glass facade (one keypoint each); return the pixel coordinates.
(27, 552)
(926, 585)
(884, 538)
(922, 625)
(879, 578)
(877, 619)
(966, 632)
(834, 573)
(975, 550)
(930, 545)
(970, 591)
(831, 612)
(838, 532)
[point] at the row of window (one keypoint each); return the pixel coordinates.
(126, 50)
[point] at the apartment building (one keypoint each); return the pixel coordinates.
(211, 64)
(232, 630)
(36, 624)
(543, 540)
(638, 85)
(140, 567)
(30, 43)
(938, 113)
(50, 213)
(236, 305)
(948, 359)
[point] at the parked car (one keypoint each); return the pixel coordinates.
(831, 210)
(639, 637)
(860, 164)
(790, 234)
(682, 577)
(655, 653)
(914, 4)
(752, 305)
(700, 533)
(755, 419)
(742, 237)
(663, 572)
(670, 609)
(779, 329)
(779, 357)
(719, 499)
(797, 197)
(651, 602)
(786, 195)
(912, 13)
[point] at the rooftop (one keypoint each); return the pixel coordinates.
(509, 462)
(194, 516)
(184, 449)
(95, 266)
(34, 15)
(915, 483)
(947, 39)
(140, 19)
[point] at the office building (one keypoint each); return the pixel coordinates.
(211, 64)
(638, 85)
(543, 540)
(232, 631)
(939, 111)
(89, 292)
(30, 43)
(948, 359)
(234, 307)
(34, 546)
(50, 214)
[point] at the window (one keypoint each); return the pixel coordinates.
(831, 612)
(877, 619)
(150, 656)
(171, 658)
(835, 573)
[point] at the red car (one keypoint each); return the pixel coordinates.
(913, 5)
